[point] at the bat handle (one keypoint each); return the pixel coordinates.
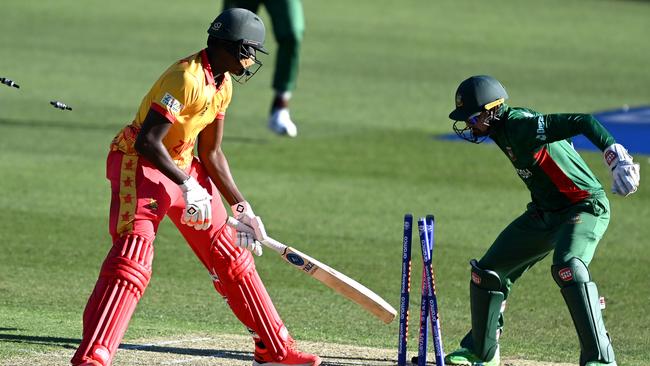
(269, 242)
(275, 245)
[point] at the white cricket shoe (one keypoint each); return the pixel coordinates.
(280, 122)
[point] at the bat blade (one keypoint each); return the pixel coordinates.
(341, 283)
(334, 279)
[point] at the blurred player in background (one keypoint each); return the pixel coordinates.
(288, 27)
(153, 174)
(569, 214)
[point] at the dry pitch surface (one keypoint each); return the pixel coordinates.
(229, 350)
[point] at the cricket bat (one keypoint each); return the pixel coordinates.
(334, 279)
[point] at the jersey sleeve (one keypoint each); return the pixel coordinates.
(563, 126)
(174, 94)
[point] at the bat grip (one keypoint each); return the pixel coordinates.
(269, 242)
(275, 245)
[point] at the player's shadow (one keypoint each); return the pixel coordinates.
(72, 343)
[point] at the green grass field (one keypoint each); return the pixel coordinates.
(375, 87)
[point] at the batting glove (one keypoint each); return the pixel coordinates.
(198, 209)
(625, 173)
(243, 212)
(246, 239)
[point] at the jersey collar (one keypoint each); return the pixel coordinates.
(207, 69)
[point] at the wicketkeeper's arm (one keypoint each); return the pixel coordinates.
(565, 125)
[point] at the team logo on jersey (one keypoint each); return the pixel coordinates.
(152, 205)
(511, 155)
(565, 274)
(205, 109)
(170, 102)
(459, 100)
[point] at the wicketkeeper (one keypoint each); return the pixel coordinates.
(154, 173)
(568, 214)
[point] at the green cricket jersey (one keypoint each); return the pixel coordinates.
(537, 146)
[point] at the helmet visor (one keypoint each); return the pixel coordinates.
(473, 119)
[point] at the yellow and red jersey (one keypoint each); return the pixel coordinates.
(188, 96)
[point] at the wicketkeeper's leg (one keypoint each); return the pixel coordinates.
(578, 235)
(582, 299)
(487, 304)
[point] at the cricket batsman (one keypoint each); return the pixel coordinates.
(154, 173)
(568, 214)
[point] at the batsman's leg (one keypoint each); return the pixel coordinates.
(127, 268)
(122, 281)
(234, 276)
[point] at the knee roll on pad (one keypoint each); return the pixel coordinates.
(233, 271)
(485, 279)
(123, 278)
(582, 299)
(570, 272)
(486, 300)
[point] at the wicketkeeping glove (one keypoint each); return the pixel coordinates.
(198, 209)
(243, 212)
(625, 173)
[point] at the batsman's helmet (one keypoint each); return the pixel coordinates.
(476, 94)
(239, 25)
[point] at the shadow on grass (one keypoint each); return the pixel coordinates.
(65, 125)
(72, 343)
(81, 126)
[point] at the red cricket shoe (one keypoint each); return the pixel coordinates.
(293, 357)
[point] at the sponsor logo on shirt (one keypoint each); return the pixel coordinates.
(541, 129)
(524, 173)
(170, 102)
(574, 220)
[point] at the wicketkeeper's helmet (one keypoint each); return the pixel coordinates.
(476, 94)
(239, 25)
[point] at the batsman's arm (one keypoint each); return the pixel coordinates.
(149, 144)
(215, 162)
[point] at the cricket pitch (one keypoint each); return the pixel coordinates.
(228, 350)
